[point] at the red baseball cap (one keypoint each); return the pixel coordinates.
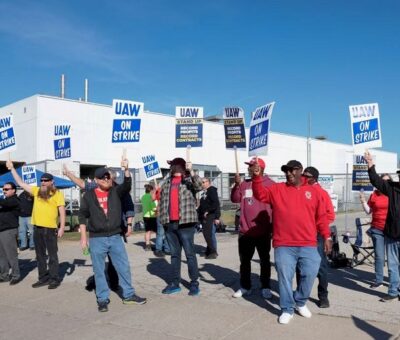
(256, 160)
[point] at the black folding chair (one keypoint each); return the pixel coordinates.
(363, 249)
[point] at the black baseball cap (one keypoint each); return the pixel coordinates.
(313, 171)
(178, 161)
(100, 172)
(291, 165)
(48, 176)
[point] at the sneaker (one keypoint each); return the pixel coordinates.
(40, 284)
(323, 303)
(388, 298)
(159, 253)
(103, 306)
(304, 311)
(194, 291)
(241, 292)
(266, 293)
(376, 285)
(211, 256)
(14, 281)
(285, 318)
(171, 289)
(53, 285)
(134, 300)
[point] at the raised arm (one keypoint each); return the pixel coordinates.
(78, 181)
(20, 182)
(382, 185)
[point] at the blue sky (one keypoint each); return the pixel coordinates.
(314, 57)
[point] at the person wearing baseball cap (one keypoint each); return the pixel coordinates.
(48, 208)
(298, 216)
(312, 174)
(255, 230)
(178, 215)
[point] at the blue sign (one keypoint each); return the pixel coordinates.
(62, 148)
(259, 135)
(188, 132)
(366, 131)
(7, 137)
(259, 130)
(126, 131)
(152, 169)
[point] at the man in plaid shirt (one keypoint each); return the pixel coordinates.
(178, 215)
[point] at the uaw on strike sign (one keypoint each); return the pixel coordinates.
(365, 126)
(259, 130)
(126, 122)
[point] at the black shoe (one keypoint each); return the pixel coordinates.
(32, 248)
(134, 300)
(53, 285)
(388, 298)
(212, 256)
(376, 285)
(23, 248)
(4, 279)
(168, 253)
(159, 253)
(103, 306)
(40, 284)
(324, 303)
(14, 281)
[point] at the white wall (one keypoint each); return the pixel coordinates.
(36, 116)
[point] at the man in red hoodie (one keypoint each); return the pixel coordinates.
(298, 215)
(254, 233)
(312, 175)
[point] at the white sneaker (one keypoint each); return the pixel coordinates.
(266, 293)
(304, 311)
(241, 292)
(285, 318)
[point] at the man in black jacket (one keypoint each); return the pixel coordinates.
(9, 211)
(209, 214)
(102, 208)
(392, 227)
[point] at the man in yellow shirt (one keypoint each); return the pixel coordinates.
(48, 205)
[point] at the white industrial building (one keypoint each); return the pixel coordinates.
(91, 127)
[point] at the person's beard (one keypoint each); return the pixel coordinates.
(46, 192)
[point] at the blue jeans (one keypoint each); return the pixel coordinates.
(24, 226)
(178, 238)
(393, 255)
(161, 240)
(378, 239)
(287, 259)
(100, 247)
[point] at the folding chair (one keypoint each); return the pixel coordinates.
(361, 243)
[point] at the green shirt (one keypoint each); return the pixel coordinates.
(149, 206)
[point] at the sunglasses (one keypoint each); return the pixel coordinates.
(6, 189)
(308, 176)
(45, 180)
(292, 169)
(105, 177)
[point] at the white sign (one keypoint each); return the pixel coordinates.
(126, 121)
(259, 130)
(8, 142)
(365, 126)
(326, 182)
(29, 174)
(151, 167)
(189, 112)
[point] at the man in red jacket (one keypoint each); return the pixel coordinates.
(298, 215)
(255, 231)
(312, 175)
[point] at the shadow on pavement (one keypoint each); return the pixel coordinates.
(372, 331)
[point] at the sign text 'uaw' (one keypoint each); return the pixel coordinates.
(189, 126)
(259, 130)
(29, 174)
(360, 175)
(365, 126)
(126, 121)
(62, 146)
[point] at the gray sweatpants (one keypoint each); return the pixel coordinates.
(9, 254)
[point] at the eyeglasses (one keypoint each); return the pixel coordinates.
(6, 189)
(45, 180)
